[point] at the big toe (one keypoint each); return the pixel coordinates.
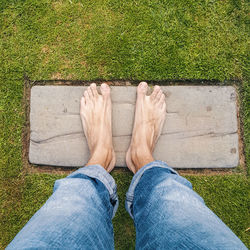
(142, 88)
(105, 90)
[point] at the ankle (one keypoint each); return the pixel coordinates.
(101, 156)
(141, 156)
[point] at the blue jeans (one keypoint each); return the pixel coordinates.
(167, 214)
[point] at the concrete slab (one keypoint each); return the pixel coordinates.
(200, 130)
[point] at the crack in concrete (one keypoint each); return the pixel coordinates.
(54, 137)
(212, 134)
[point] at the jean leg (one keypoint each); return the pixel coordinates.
(78, 215)
(168, 214)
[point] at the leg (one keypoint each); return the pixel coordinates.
(78, 214)
(167, 213)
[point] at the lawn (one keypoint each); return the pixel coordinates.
(114, 39)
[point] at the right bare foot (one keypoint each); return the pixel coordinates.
(150, 115)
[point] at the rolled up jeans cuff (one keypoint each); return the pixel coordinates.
(136, 179)
(99, 173)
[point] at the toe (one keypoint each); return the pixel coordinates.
(164, 106)
(142, 88)
(83, 101)
(86, 97)
(90, 92)
(162, 99)
(93, 89)
(155, 92)
(158, 96)
(105, 89)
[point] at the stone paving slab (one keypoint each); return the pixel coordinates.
(200, 129)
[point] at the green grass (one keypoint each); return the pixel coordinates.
(111, 39)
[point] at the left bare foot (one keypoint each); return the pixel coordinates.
(95, 114)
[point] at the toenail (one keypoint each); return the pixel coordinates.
(143, 84)
(104, 85)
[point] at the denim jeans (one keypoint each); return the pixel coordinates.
(167, 214)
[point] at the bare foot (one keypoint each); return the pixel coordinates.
(150, 115)
(95, 114)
